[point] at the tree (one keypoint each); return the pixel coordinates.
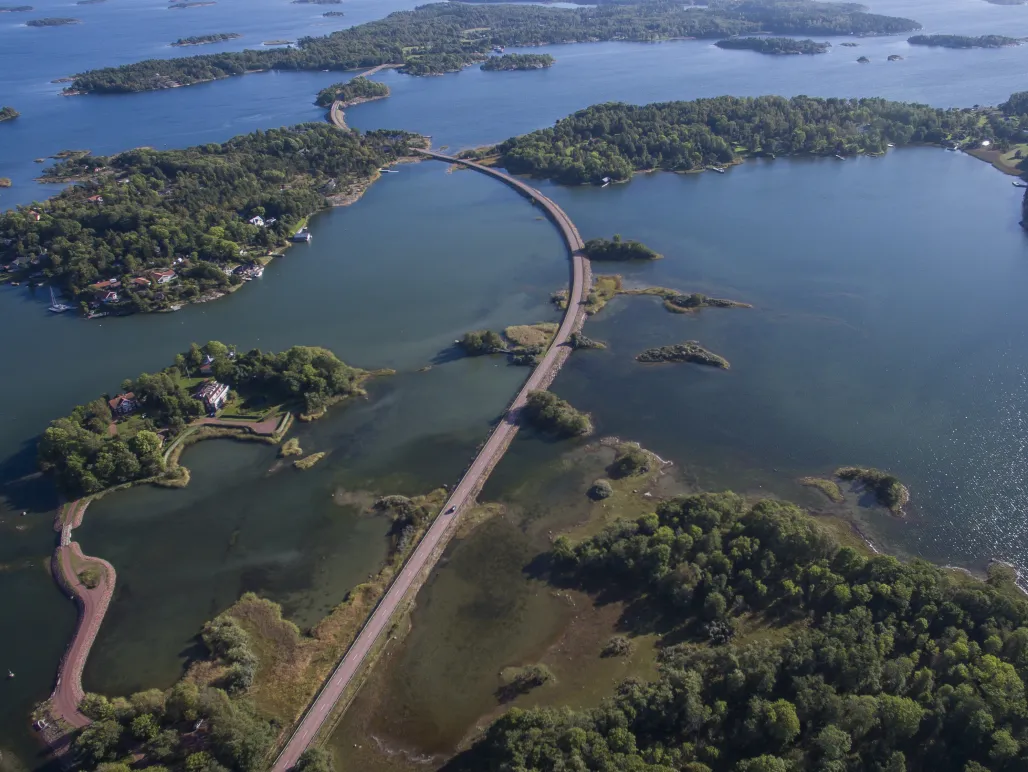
(315, 760)
(98, 741)
(145, 727)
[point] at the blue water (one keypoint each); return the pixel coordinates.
(50, 363)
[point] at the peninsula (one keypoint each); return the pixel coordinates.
(690, 351)
(612, 141)
(887, 488)
(127, 438)
(230, 207)
(201, 40)
(53, 21)
(775, 46)
(518, 62)
(352, 92)
(8, 114)
(446, 37)
(964, 41)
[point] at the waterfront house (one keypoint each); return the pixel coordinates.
(96, 199)
(109, 297)
(213, 395)
(301, 235)
(106, 284)
(207, 364)
(163, 277)
(123, 404)
(257, 220)
(141, 282)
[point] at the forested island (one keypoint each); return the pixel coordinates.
(8, 114)
(781, 650)
(613, 140)
(15, 8)
(690, 351)
(446, 37)
(317, 2)
(618, 249)
(148, 229)
(112, 441)
(518, 62)
(963, 41)
(523, 344)
(775, 45)
(331, 14)
(54, 21)
(887, 488)
(352, 92)
(550, 414)
(200, 40)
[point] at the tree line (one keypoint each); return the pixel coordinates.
(445, 37)
(775, 45)
(86, 456)
(858, 663)
(616, 139)
(186, 210)
(963, 41)
(518, 62)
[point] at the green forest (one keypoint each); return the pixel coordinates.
(775, 45)
(518, 62)
(550, 414)
(200, 40)
(781, 651)
(963, 41)
(86, 456)
(187, 210)
(8, 113)
(352, 91)
(445, 37)
(616, 139)
(618, 249)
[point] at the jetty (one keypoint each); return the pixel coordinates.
(345, 679)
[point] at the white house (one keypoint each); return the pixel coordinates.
(257, 220)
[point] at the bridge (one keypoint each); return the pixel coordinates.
(431, 547)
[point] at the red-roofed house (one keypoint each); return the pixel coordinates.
(163, 277)
(123, 404)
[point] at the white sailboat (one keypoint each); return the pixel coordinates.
(58, 308)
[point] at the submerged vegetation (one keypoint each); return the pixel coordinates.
(445, 37)
(775, 45)
(887, 488)
(963, 41)
(868, 663)
(690, 351)
(548, 413)
(352, 92)
(618, 249)
(148, 228)
(614, 140)
(518, 62)
(112, 442)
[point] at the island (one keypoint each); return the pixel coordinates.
(680, 302)
(550, 414)
(352, 92)
(210, 391)
(895, 58)
(850, 45)
(963, 41)
(523, 344)
(8, 114)
(192, 5)
(317, 2)
(15, 8)
(278, 42)
(863, 60)
(518, 62)
(202, 40)
(331, 14)
(53, 21)
(5, 182)
(690, 351)
(887, 489)
(775, 46)
(618, 249)
(446, 37)
(696, 135)
(90, 2)
(226, 204)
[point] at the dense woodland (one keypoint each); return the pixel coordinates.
(775, 46)
(187, 210)
(854, 662)
(355, 90)
(8, 113)
(518, 62)
(445, 37)
(616, 139)
(86, 456)
(963, 41)
(548, 413)
(618, 249)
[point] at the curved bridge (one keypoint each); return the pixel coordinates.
(430, 549)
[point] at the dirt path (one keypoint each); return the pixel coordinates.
(442, 529)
